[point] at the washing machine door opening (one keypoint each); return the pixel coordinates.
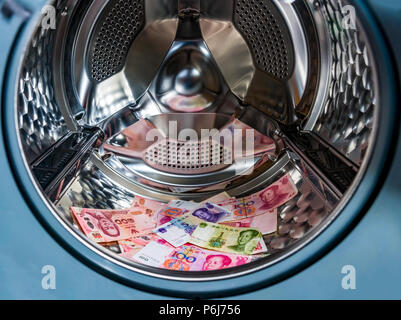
(130, 105)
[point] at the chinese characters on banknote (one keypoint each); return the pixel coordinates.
(221, 232)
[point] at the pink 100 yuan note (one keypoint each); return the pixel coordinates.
(262, 202)
(188, 258)
(192, 258)
(218, 198)
(152, 206)
(145, 212)
(266, 223)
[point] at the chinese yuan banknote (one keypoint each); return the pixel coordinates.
(152, 255)
(266, 223)
(262, 202)
(174, 209)
(135, 242)
(210, 212)
(129, 248)
(221, 197)
(150, 206)
(178, 231)
(223, 238)
(145, 213)
(261, 142)
(261, 248)
(191, 258)
(105, 225)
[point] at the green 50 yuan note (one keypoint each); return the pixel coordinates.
(228, 239)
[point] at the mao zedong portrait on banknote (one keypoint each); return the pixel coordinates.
(278, 193)
(216, 262)
(218, 237)
(210, 213)
(243, 239)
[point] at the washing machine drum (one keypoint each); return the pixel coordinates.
(295, 82)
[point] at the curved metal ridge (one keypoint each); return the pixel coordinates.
(346, 117)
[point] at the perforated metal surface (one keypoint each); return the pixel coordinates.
(40, 121)
(188, 157)
(347, 119)
(121, 23)
(266, 32)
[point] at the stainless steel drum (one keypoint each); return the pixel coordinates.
(302, 72)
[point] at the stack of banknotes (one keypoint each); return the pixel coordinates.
(221, 232)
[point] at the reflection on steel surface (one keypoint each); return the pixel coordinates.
(266, 72)
(298, 217)
(347, 116)
(93, 189)
(40, 121)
